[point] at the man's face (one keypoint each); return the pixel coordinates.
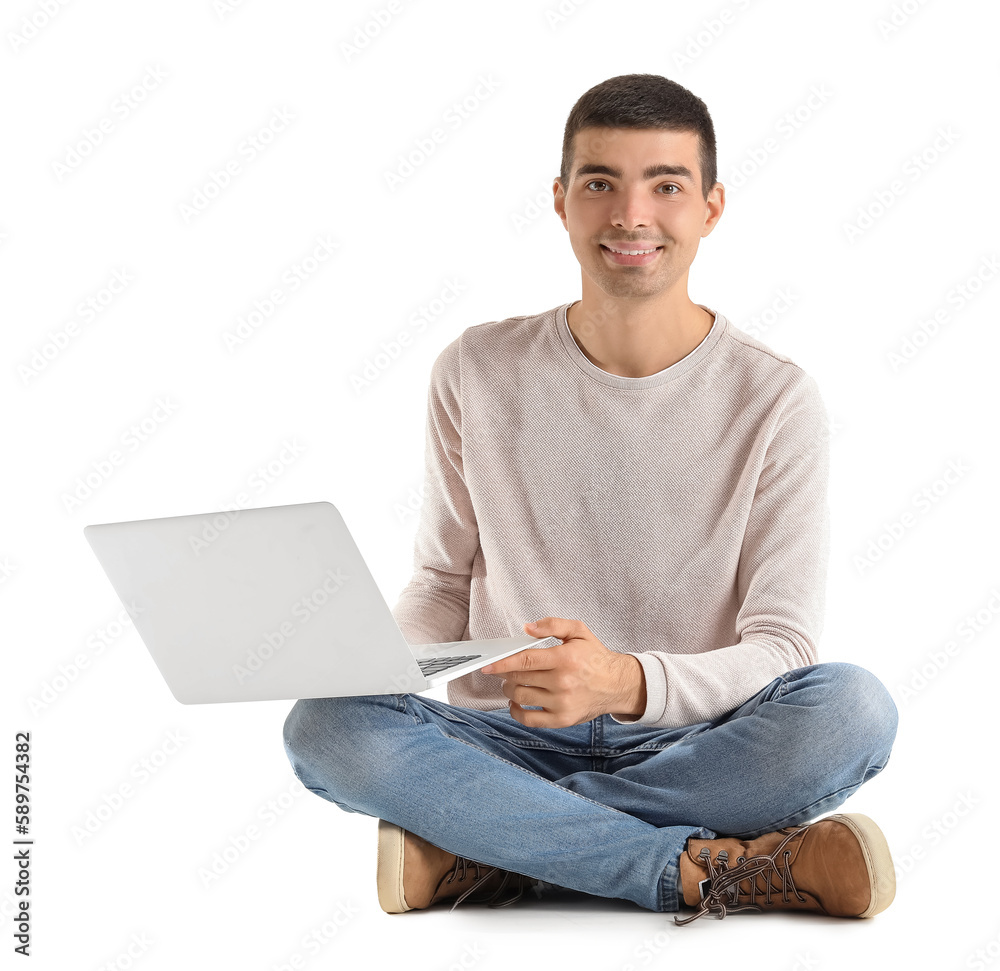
(636, 189)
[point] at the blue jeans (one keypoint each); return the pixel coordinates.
(599, 807)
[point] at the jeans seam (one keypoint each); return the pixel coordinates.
(403, 707)
(538, 746)
(662, 895)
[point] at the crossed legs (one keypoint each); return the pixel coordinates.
(602, 807)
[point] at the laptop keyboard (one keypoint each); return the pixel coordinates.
(432, 665)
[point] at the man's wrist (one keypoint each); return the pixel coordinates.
(632, 695)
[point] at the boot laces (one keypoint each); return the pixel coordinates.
(723, 894)
(513, 883)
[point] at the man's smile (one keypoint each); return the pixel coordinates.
(630, 254)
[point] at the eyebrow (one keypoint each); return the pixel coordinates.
(650, 172)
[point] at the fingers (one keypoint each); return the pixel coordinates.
(534, 718)
(530, 659)
(526, 694)
(561, 627)
(530, 717)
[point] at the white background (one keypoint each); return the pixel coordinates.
(476, 214)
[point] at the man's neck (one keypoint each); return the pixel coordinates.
(635, 340)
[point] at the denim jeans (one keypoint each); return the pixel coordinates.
(599, 807)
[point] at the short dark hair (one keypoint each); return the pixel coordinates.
(643, 101)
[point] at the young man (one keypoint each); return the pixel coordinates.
(648, 483)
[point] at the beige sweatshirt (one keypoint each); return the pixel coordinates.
(681, 516)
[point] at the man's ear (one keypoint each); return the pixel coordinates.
(715, 204)
(559, 201)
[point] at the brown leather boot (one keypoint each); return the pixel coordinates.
(414, 874)
(839, 866)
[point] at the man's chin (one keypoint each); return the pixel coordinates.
(619, 289)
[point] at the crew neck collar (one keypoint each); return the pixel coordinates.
(692, 359)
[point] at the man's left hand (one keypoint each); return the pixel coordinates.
(572, 682)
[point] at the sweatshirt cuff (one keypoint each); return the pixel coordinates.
(656, 692)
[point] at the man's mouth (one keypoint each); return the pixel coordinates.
(631, 254)
(631, 250)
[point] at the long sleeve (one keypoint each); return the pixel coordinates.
(434, 605)
(682, 515)
(780, 579)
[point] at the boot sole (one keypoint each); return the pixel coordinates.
(881, 873)
(389, 869)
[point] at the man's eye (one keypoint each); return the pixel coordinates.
(669, 185)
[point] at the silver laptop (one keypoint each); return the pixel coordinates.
(270, 603)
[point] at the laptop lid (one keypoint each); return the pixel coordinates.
(256, 604)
